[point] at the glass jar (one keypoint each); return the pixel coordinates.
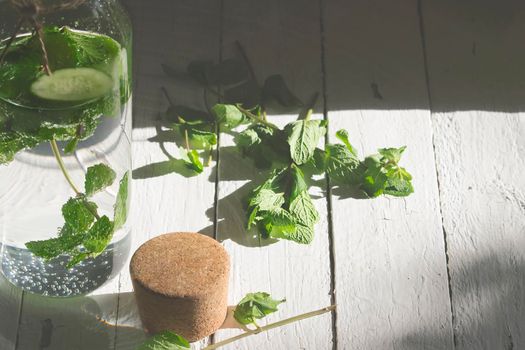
(65, 147)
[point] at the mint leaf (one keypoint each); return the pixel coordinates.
(12, 143)
(392, 154)
(303, 209)
(71, 146)
(98, 177)
(298, 184)
(78, 213)
(399, 182)
(247, 138)
(99, 236)
(303, 138)
(53, 247)
(343, 136)
(48, 249)
(279, 223)
(121, 204)
(191, 160)
(342, 165)
(202, 139)
(228, 115)
(166, 340)
(255, 306)
(267, 200)
(374, 177)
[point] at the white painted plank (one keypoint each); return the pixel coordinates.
(391, 278)
(476, 80)
(175, 33)
(280, 37)
(10, 299)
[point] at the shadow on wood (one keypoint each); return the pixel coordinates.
(80, 323)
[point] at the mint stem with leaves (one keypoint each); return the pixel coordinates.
(271, 326)
(256, 118)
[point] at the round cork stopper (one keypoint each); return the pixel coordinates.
(181, 284)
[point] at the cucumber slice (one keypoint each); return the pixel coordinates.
(72, 84)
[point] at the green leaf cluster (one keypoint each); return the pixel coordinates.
(255, 306)
(40, 120)
(375, 175)
(282, 208)
(84, 233)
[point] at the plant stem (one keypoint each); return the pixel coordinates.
(187, 139)
(256, 118)
(271, 326)
(58, 157)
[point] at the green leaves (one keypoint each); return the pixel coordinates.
(98, 177)
(282, 208)
(79, 213)
(228, 115)
(166, 340)
(255, 306)
(85, 234)
(22, 129)
(303, 138)
(99, 236)
(376, 175)
(121, 205)
(191, 160)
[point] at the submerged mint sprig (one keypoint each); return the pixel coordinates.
(85, 233)
(253, 306)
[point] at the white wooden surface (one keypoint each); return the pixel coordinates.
(441, 269)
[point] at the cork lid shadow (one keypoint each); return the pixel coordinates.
(180, 264)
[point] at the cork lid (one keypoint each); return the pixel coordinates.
(180, 264)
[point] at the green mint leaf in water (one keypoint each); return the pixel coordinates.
(228, 115)
(121, 204)
(98, 177)
(191, 160)
(166, 340)
(99, 236)
(48, 249)
(303, 138)
(71, 146)
(255, 306)
(78, 213)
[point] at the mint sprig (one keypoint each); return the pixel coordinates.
(84, 233)
(254, 306)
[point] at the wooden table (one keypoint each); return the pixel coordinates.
(441, 269)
